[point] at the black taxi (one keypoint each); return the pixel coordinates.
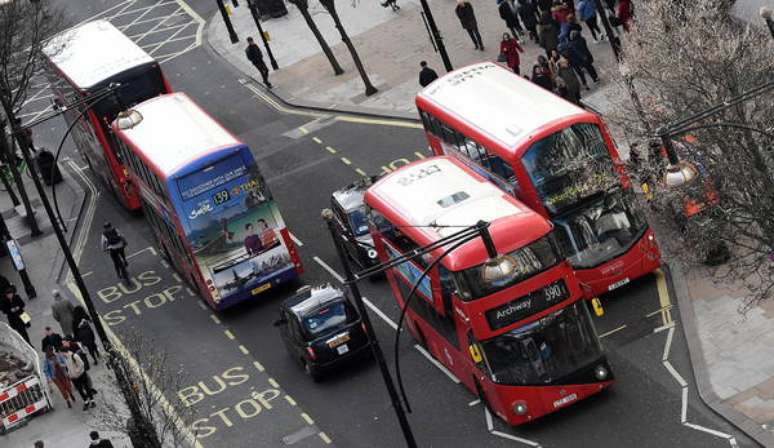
(352, 222)
(321, 328)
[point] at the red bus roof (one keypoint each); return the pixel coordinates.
(174, 130)
(499, 104)
(422, 197)
(94, 52)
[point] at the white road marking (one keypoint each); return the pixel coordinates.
(329, 269)
(488, 416)
(474, 402)
(663, 327)
(612, 332)
(684, 406)
(296, 240)
(435, 362)
(150, 249)
(714, 432)
(679, 378)
(88, 217)
(380, 313)
(668, 344)
(514, 438)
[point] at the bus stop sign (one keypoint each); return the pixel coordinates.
(15, 253)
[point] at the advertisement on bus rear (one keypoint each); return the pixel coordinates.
(233, 226)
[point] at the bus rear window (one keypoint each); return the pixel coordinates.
(211, 176)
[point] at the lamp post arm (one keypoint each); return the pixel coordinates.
(96, 96)
(406, 301)
(724, 124)
(380, 268)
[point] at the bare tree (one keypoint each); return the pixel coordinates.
(24, 28)
(303, 8)
(685, 57)
(153, 377)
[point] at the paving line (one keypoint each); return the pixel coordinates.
(229, 334)
(612, 332)
(191, 12)
(290, 400)
(419, 154)
(346, 161)
(317, 140)
(474, 402)
(331, 150)
(514, 438)
(436, 363)
(675, 374)
(274, 384)
(488, 416)
(361, 172)
(244, 349)
(663, 296)
(668, 344)
(259, 366)
(684, 406)
(324, 437)
(329, 269)
(714, 432)
(303, 130)
(395, 123)
(177, 277)
(380, 313)
(386, 170)
(215, 319)
(663, 327)
(307, 418)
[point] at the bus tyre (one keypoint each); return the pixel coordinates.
(482, 396)
(310, 371)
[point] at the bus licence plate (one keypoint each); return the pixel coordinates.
(260, 289)
(618, 284)
(563, 401)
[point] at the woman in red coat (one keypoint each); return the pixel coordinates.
(624, 14)
(510, 48)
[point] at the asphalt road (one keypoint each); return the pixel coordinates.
(245, 391)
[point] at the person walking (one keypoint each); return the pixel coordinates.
(587, 12)
(548, 37)
(426, 74)
(392, 4)
(624, 14)
(510, 49)
(51, 339)
(567, 75)
(528, 14)
(509, 12)
(115, 244)
(566, 27)
(577, 52)
(39, 444)
(62, 312)
(83, 332)
(98, 442)
(560, 10)
(13, 307)
(76, 370)
(467, 16)
(72, 345)
(541, 78)
(255, 56)
(55, 368)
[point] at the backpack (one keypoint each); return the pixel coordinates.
(113, 238)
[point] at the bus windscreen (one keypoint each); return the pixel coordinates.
(233, 225)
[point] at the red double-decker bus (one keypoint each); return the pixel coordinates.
(85, 60)
(523, 342)
(554, 156)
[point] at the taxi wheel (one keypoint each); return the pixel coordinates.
(311, 371)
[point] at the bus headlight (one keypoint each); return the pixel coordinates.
(371, 253)
(519, 407)
(600, 372)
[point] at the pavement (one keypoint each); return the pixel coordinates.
(731, 352)
(61, 427)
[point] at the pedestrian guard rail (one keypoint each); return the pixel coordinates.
(27, 396)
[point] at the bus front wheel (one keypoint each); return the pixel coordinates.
(482, 396)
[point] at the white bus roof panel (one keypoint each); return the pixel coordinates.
(93, 52)
(498, 102)
(175, 130)
(437, 192)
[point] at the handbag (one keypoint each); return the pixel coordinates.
(501, 57)
(25, 318)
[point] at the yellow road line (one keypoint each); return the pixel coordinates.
(383, 122)
(317, 140)
(153, 389)
(274, 383)
(361, 172)
(346, 161)
(419, 154)
(663, 297)
(303, 129)
(215, 319)
(330, 150)
(243, 349)
(386, 170)
(307, 418)
(229, 334)
(324, 437)
(259, 366)
(290, 400)
(612, 332)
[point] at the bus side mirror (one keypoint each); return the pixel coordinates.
(280, 322)
(475, 353)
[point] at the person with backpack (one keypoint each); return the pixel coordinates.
(115, 244)
(98, 442)
(83, 332)
(76, 370)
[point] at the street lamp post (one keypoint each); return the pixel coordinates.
(145, 435)
(227, 20)
(435, 35)
(766, 13)
(256, 17)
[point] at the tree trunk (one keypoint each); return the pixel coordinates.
(370, 89)
(337, 70)
(5, 147)
(6, 183)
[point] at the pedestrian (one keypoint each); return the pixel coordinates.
(587, 12)
(610, 5)
(255, 56)
(560, 88)
(464, 11)
(39, 444)
(13, 307)
(509, 12)
(77, 372)
(426, 74)
(528, 14)
(73, 346)
(624, 14)
(553, 63)
(566, 27)
(567, 75)
(559, 11)
(545, 65)
(51, 339)
(115, 244)
(577, 52)
(541, 78)
(392, 4)
(62, 312)
(548, 37)
(55, 368)
(97, 442)
(83, 332)
(510, 49)
(545, 5)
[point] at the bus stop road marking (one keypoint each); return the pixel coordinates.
(612, 332)
(663, 296)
